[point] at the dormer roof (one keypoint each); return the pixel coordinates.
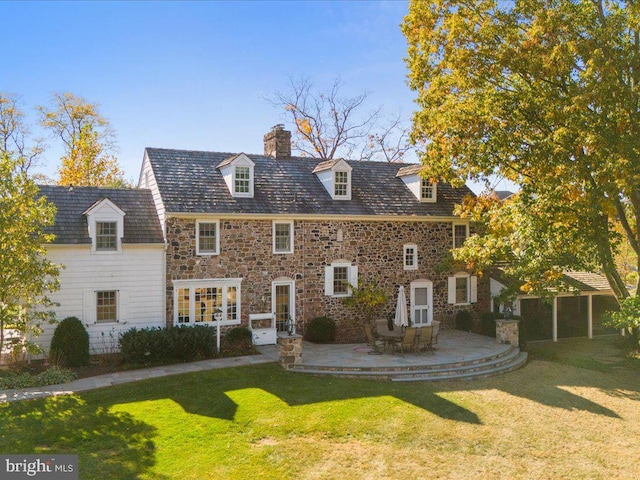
(413, 169)
(141, 223)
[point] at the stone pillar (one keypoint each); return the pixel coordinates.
(289, 350)
(507, 331)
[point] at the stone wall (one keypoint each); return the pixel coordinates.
(375, 247)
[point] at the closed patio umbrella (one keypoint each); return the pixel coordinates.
(402, 317)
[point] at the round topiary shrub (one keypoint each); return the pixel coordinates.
(463, 320)
(321, 330)
(238, 341)
(70, 344)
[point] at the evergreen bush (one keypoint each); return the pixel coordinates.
(463, 320)
(321, 330)
(70, 344)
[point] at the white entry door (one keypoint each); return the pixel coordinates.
(283, 303)
(421, 303)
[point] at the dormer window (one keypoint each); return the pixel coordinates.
(105, 223)
(341, 184)
(237, 172)
(242, 180)
(335, 176)
(427, 190)
(106, 236)
(424, 189)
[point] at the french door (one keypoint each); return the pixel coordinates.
(421, 303)
(283, 304)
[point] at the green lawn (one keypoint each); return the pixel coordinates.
(548, 420)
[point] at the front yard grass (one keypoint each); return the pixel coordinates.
(548, 420)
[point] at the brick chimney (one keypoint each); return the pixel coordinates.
(277, 143)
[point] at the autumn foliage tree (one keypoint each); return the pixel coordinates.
(88, 140)
(544, 93)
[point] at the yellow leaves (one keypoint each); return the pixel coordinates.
(304, 126)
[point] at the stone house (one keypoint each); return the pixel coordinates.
(111, 247)
(248, 235)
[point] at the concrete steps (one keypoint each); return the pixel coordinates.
(506, 361)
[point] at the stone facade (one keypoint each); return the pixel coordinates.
(507, 331)
(376, 247)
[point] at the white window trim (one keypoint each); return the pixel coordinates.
(273, 234)
(352, 276)
(428, 284)
(90, 307)
(415, 256)
(432, 199)
(292, 291)
(472, 288)
(248, 194)
(348, 195)
(191, 285)
(198, 252)
(105, 211)
(453, 231)
(106, 322)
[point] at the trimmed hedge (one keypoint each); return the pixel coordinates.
(70, 344)
(488, 324)
(166, 345)
(321, 330)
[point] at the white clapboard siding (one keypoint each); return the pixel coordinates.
(137, 274)
(148, 180)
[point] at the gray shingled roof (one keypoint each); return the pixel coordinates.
(189, 182)
(581, 281)
(141, 224)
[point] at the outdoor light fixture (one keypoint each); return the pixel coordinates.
(217, 315)
(290, 325)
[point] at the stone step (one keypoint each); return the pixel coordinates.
(492, 365)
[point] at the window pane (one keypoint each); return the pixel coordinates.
(460, 235)
(232, 303)
(242, 179)
(106, 236)
(183, 305)
(283, 237)
(207, 237)
(106, 307)
(409, 257)
(461, 290)
(421, 296)
(340, 185)
(427, 190)
(283, 308)
(340, 280)
(207, 301)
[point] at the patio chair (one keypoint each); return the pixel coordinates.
(425, 339)
(434, 336)
(408, 340)
(371, 340)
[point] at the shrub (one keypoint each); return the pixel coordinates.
(51, 376)
(70, 344)
(166, 345)
(488, 324)
(321, 330)
(237, 341)
(463, 320)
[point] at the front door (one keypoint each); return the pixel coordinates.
(283, 304)
(421, 303)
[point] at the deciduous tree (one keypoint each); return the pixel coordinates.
(26, 276)
(328, 125)
(15, 137)
(88, 140)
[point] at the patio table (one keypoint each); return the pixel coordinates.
(390, 337)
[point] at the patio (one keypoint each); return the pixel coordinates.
(458, 355)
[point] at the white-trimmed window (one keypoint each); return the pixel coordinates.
(341, 184)
(282, 237)
(207, 237)
(410, 255)
(463, 289)
(460, 234)
(106, 236)
(107, 306)
(242, 180)
(428, 190)
(338, 277)
(197, 302)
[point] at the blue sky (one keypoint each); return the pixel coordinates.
(195, 75)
